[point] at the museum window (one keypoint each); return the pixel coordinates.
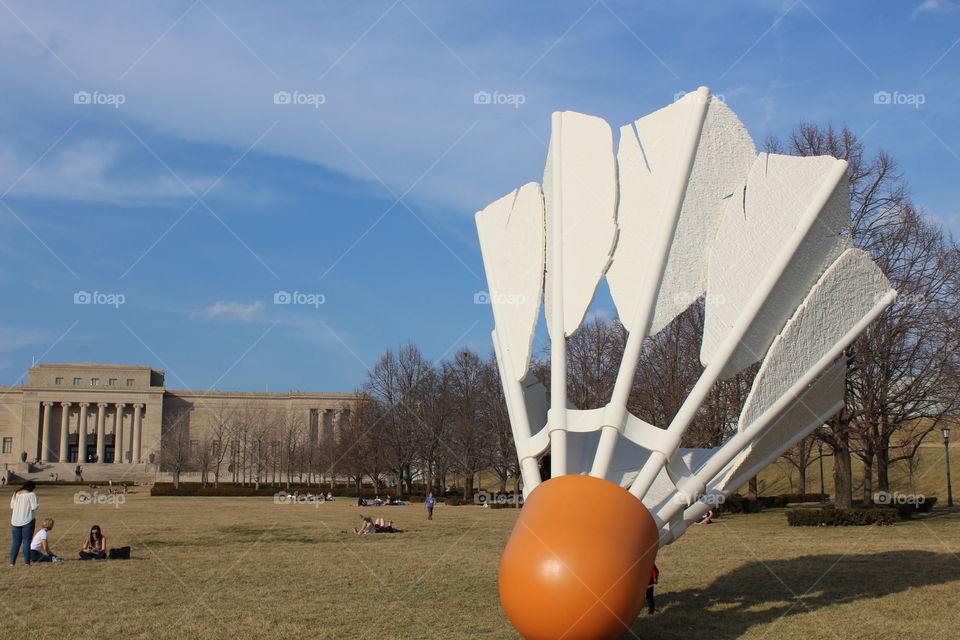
(216, 448)
(112, 382)
(59, 380)
(129, 382)
(8, 445)
(94, 382)
(76, 381)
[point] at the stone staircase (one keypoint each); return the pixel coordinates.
(119, 473)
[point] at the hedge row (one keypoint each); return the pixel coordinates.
(741, 504)
(195, 489)
(830, 517)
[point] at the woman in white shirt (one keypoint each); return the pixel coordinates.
(23, 520)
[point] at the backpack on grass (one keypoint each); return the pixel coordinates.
(120, 553)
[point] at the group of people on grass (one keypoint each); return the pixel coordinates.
(309, 497)
(35, 545)
(378, 502)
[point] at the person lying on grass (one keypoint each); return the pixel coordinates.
(376, 526)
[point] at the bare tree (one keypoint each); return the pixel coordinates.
(397, 384)
(219, 428)
(176, 454)
(470, 439)
(801, 456)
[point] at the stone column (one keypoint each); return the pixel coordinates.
(118, 434)
(338, 423)
(101, 431)
(137, 415)
(82, 434)
(45, 437)
(64, 431)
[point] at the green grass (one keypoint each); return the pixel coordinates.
(246, 567)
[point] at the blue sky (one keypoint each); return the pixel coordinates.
(145, 155)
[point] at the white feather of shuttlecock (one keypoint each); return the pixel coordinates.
(687, 209)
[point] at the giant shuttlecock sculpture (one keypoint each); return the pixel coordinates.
(683, 209)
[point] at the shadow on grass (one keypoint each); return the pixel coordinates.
(764, 592)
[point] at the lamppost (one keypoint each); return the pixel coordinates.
(946, 445)
(823, 492)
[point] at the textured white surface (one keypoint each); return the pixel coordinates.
(809, 412)
(655, 172)
(776, 213)
(580, 192)
(846, 292)
(511, 234)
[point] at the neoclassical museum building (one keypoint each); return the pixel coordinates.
(100, 414)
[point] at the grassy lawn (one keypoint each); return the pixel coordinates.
(246, 567)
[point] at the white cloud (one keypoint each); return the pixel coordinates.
(91, 169)
(933, 6)
(231, 311)
(405, 115)
(13, 338)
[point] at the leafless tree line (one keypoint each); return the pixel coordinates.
(428, 423)
(417, 422)
(248, 443)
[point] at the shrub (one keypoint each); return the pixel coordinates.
(832, 517)
(230, 489)
(772, 502)
(739, 504)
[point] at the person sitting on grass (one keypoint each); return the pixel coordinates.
(95, 545)
(366, 525)
(329, 497)
(40, 546)
(361, 502)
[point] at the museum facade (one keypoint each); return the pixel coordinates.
(116, 414)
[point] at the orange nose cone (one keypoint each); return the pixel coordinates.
(578, 561)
